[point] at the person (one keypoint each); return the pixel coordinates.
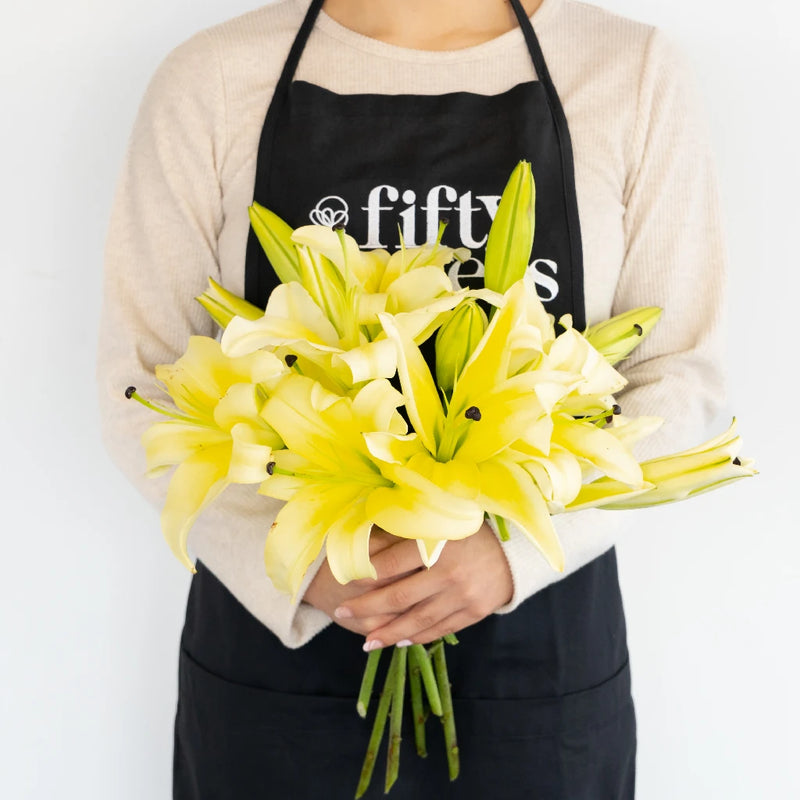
(388, 117)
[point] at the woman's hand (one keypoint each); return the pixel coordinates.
(327, 594)
(415, 605)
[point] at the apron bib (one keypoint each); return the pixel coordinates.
(542, 695)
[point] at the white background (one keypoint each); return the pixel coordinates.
(91, 601)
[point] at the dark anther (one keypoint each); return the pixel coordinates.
(616, 408)
(270, 468)
(338, 227)
(290, 359)
(737, 462)
(473, 413)
(130, 392)
(638, 328)
(609, 419)
(444, 221)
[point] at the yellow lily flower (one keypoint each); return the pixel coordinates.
(327, 320)
(335, 490)
(216, 437)
(468, 446)
(505, 440)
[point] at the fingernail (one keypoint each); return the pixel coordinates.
(343, 613)
(372, 644)
(404, 643)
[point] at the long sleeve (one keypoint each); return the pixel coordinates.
(674, 258)
(161, 249)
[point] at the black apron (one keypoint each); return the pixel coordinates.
(542, 695)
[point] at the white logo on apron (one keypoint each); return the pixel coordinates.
(384, 207)
(331, 211)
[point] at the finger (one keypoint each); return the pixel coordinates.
(363, 626)
(452, 624)
(379, 540)
(425, 616)
(395, 597)
(398, 559)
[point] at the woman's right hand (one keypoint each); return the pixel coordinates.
(327, 594)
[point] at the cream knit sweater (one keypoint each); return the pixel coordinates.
(648, 209)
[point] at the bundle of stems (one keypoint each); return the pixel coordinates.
(424, 670)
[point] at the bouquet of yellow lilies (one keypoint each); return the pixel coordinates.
(517, 421)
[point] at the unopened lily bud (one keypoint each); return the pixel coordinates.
(508, 248)
(456, 341)
(616, 337)
(222, 305)
(275, 237)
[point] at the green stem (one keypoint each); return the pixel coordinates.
(367, 681)
(450, 638)
(396, 721)
(448, 719)
(415, 682)
(420, 656)
(377, 730)
(502, 528)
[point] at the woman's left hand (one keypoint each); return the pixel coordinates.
(470, 580)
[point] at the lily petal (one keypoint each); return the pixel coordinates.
(291, 315)
(298, 533)
(375, 407)
(348, 543)
(373, 360)
(249, 455)
(422, 399)
(417, 289)
(488, 364)
(170, 442)
(507, 490)
(416, 508)
(196, 482)
(393, 448)
(606, 492)
(599, 448)
(430, 550)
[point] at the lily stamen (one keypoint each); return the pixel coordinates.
(473, 413)
(132, 394)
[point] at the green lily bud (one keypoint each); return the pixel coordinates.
(508, 248)
(616, 337)
(275, 237)
(456, 340)
(222, 305)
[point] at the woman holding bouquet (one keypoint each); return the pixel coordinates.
(387, 118)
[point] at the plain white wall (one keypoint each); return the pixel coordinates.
(91, 599)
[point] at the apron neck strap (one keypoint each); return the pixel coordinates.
(293, 59)
(535, 50)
